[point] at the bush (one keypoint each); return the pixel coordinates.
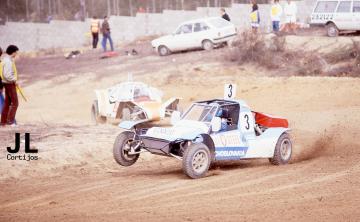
(270, 52)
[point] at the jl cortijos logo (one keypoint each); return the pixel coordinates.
(30, 154)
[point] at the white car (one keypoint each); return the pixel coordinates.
(337, 16)
(201, 33)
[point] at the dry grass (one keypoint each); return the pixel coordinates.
(270, 52)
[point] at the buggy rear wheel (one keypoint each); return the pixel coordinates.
(283, 150)
(95, 116)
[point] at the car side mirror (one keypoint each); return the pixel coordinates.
(175, 117)
(216, 124)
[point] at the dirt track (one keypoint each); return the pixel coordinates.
(76, 178)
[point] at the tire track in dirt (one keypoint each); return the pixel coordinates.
(192, 187)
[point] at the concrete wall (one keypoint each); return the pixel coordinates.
(70, 34)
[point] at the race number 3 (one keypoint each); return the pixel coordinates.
(229, 91)
(247, 122)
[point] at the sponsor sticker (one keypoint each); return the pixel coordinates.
(230, 153)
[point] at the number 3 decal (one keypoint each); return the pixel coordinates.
(247, 127)
(230, 91)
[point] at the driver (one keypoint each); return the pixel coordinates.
(222, 113)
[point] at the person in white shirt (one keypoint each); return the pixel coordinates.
(290, 11)
(276, 13)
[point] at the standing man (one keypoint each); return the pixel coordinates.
(9, 78)
(95, 28)
(105, 28)
(276, 12)
(290, 11)
(255, 18)
(224, 15)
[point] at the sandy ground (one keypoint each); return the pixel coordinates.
(76, 178)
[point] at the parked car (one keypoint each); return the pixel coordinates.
(209, 131)
(201, 33)
(131, 101)
(337, 16)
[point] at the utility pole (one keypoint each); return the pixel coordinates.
(49, 7)
(27, 10)
(7, 10)
(154, 6)
(108, 7)
(130, 8)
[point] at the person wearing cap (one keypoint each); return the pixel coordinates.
(9, 79)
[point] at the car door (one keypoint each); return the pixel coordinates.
(182, 38)
(229, 145)
(356, 15)
(231, 142)
(201, 32)
(343, 17)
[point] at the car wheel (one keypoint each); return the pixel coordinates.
(207, 45)
(283, 150)
(332, 30)
(163, 50)
(126, 114)
(196, 160)
(95, 116)
(122, 145)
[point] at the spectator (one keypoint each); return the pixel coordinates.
(255, 18)
(95, 28)
(9, 79)
(290, 11)
(276, 12)
(224, 15)
(105, 28)
(49, 19)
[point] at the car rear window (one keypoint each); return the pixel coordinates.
(219, 23)
(356, 7)
(326, 7)
(344, 7)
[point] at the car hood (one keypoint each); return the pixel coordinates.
(160, 40)
(184, 129)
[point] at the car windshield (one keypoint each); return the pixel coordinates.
(199, 112)
(219, 23)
